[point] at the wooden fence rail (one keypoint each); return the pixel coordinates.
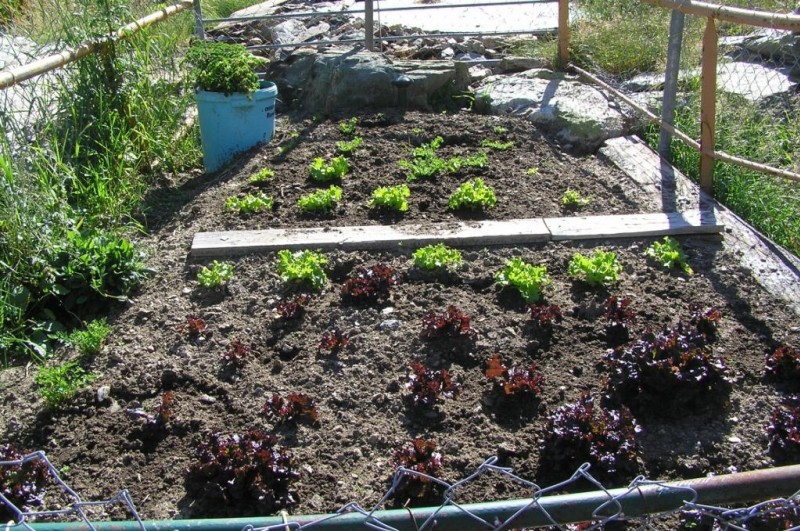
(40, 66)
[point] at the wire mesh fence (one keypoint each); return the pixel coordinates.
(643, 504)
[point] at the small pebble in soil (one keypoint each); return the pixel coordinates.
(387, 310)
(207, 399)
(103, 393)
(389, 324)
(734, 439)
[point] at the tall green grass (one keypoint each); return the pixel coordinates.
(71, 197)
(744, 129)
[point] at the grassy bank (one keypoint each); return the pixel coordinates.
(72, 183)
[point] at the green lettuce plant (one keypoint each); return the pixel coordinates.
(215, 274)
(323, 172)
(321, 200)
(391, 197)
(574, 199)
(436, 256)
(669, 254)
(473, 194)
(347, 148)
(599, 269)
(527, 278)
(249, 204)
(302, 267)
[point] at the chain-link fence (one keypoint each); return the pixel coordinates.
(644, 504)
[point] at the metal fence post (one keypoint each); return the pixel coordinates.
(369, 26)
(199, 29)
(563, 33)
(671, 80)
(708, 104)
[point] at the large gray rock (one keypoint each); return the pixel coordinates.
(579, 115)
(754, 81)
(343, 80)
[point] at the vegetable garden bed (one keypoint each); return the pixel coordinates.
(185, 362)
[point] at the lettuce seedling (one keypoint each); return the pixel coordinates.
(164, 410)
(236, 354)
(23, 485)
(321, 200)
(424, 163)
(348, 127)
(527, 278)
(333, 340)
(264, 175)
(370, 285)
(249, 204)
(497, 145)
(599, 269)
(473, 195)
(291, 309)
(193, 328)
(420, 456)
(436, 256)
(669, 254)
(427, 385)
(619, 319)
(452, 324)
(574, 199)
(517, 382)
(545, 315)
(250, 472)
(705, 320)
(783, 432)
(586, 432)
(296, 407)
(668, 373)
(391, 198)
(323, 172)
(347, 148)
(215, 275)
(302, 267)
(783, 367)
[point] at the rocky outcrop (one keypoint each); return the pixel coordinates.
(346, 79)
(580, 116)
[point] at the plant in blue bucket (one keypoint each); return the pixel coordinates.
(235, 109)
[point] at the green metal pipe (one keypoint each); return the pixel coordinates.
(759, 485)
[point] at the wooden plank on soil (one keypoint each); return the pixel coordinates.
(518, 231)
(668, 188)
(772, 266)
(634, 225)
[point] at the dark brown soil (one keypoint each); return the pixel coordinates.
(360, 391)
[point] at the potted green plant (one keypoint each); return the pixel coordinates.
(235, 109)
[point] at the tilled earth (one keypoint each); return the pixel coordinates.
(364, 413)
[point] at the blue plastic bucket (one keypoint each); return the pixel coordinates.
(234, 123)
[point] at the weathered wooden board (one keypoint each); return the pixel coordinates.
(633, 225)
(668, 188)
(516, 231)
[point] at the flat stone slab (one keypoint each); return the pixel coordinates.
(509, 232)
